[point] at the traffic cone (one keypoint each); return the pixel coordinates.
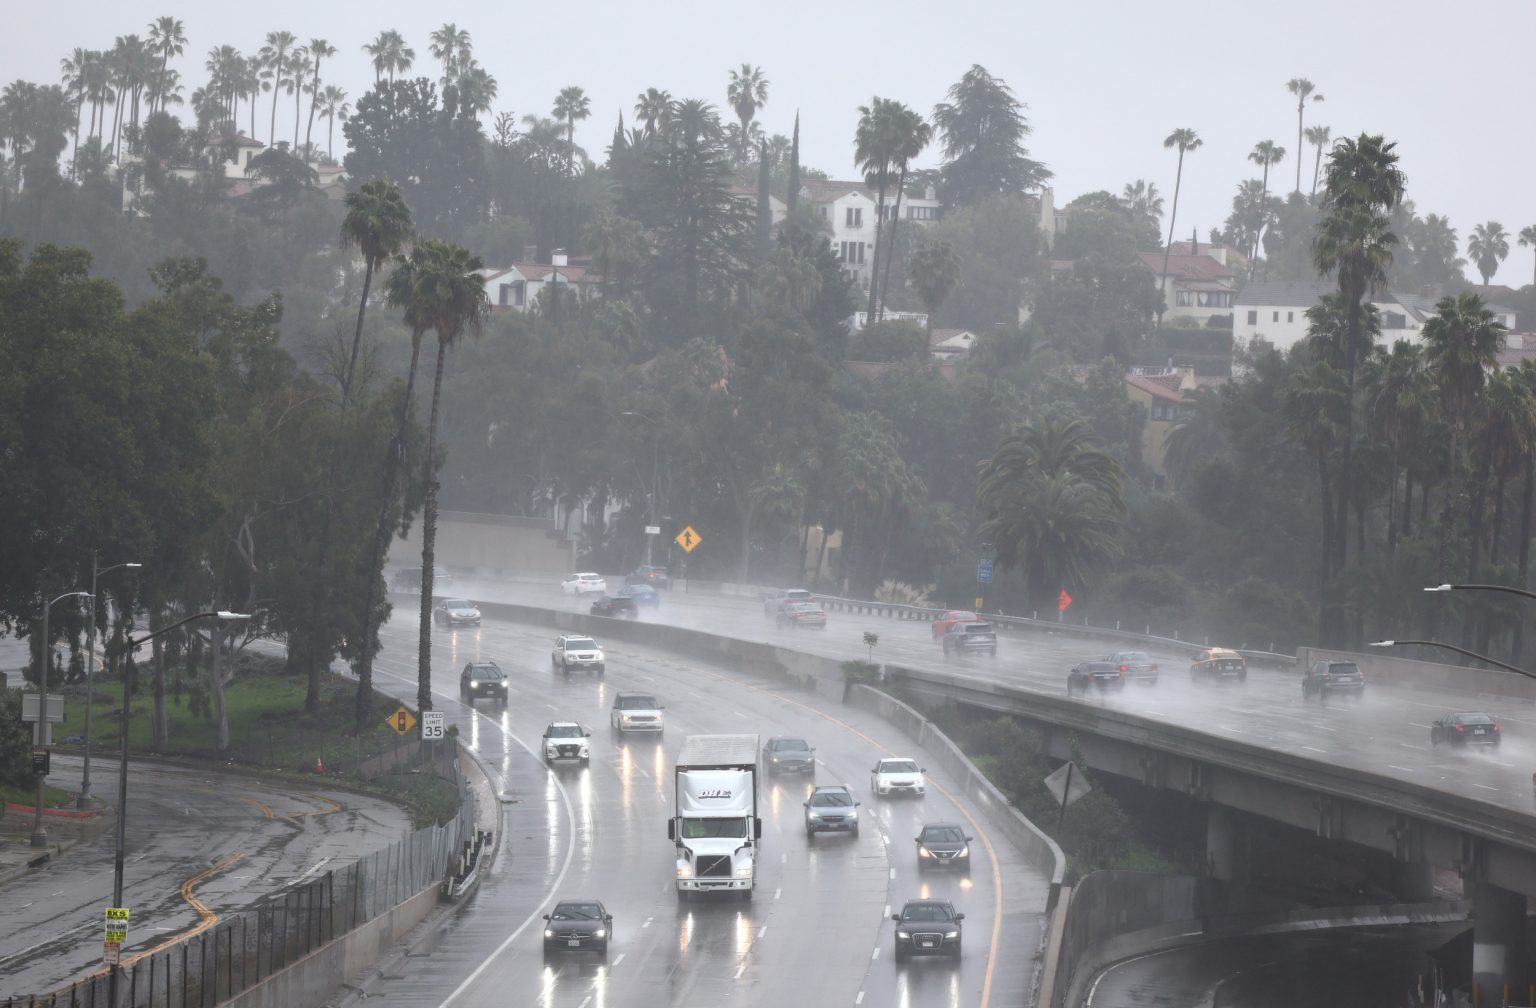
(319, 765)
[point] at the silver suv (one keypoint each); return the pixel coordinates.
(576, 652)
(831, 809)
(636, 712)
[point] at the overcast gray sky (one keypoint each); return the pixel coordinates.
(1105, 80)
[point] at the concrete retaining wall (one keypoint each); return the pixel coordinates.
(1385, 668)
(313, 979)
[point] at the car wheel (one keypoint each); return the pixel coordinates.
(900, 953)
(855, 831)
(810, 834)
(956, 952)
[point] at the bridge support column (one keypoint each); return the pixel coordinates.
(1226, 845)
(1498, 943)
(1413, 881)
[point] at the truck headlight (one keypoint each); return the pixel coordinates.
(744, 871)
(684, 870)
(923, 852)
(584, 752)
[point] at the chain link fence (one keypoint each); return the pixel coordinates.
(246, 947)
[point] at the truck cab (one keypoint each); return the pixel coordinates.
(715, 828)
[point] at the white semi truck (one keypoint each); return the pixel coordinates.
(715, 826)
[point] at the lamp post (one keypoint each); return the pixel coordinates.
(39, 831)
(650, 511)
(1459, 650)
(1482, 587)
(130, 646)
(84, 801)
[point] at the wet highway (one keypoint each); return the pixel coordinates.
(243, 837)
(819, 927)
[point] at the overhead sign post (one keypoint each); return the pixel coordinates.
(984, 572)
(402, 720)
(432, 724)
(688, 539)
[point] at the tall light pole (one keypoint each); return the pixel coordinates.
(1459, 650)
(84, 801)
(650, 521)
(130, 646)
(1482, 587)
(39, 831)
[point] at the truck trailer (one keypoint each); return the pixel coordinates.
(715, 827)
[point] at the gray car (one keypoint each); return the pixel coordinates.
(783, 755)
(831, 809)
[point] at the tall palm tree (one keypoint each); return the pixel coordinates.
(1488, 247)
(253, 81)
(1318, 137)
(299, 67)
(452, 46)
(913, 134)
(1185, 140)
(377, 223)
(333, 106)
(875, 143)
(75, 70)
(1528, 240)
(654, 109)
(571, 104)
(168, 37)
(319, 49)
(1264, 154)
(450, 293)
(1526, 374)
(1398, 400)
(1197, 434)
(746, 93)
(389, 54)
(1505, 422)
(1461, 345)
(477, 89)
(274, 58)
(1302, 89)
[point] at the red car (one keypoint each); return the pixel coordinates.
(950, 618)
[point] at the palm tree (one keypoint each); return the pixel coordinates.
(1197, 434)
(299, 67)
(319, 49)
(449, 293)
(934, 272)
(378, 223)
(654, 110)
(746, 93)
(1264, 154)
(1488, 246)
(1318, 137)
(1507, 417)
(76, 69)
(1461, 345)
(875, 144)
(1398, 401)
(1302, 89)
(571, 104)
(274, 59)
(1313, 401)
(452, 46)
(913, 134)
(1143, 200)
(1528, 240)
(333, 106)
(253, 81)
(168, 37)
(389, 54)
(1185, 140)
(477, 89)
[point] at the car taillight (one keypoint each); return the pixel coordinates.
(1461, 727)
(1124, 668)
(1495, 727)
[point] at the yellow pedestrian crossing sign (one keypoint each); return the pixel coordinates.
(402, 720)
(688, 539)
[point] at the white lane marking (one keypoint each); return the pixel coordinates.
(647, 922)
(1506, 766)
(860, 999)
(893, 873)
(875, 954)
(887, 911)
(783, 859)
(885, 839)
(1094, 987)
(1157, 713)
(762, 930)
(25, 905)
(619, 959)
(585, 1001)
(551, 706)
(1315, 749)
(1234, 731)
(1394, 766)
(1325, 728)
(739, 714)
(1415, 724)
(696, 696)
(777, 893)
(739, 971)
(1405, 745)
(318, 865)
(1485, 787)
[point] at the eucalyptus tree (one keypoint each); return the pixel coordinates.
(1528, 240)
(1488, 247)
(319, 51)
(168, 37)
(983, 129)
(274, 61)
(1185, 140)
(1302, 89)
(1264, 154)
(377, 224)
(1318, 137)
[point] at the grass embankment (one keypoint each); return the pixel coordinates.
(270, 730)
(52, 797)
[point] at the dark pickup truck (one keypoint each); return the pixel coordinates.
(970, 638)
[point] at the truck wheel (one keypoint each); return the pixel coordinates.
(746, 895)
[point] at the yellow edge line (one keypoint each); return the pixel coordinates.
(997, 878)
(266, 809)
(208, 917)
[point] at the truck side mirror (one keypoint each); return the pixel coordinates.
(671, 829)
(757, 828)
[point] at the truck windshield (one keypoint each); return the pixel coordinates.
(699, 829)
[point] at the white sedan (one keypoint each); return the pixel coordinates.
(897, 776)
(584, 584)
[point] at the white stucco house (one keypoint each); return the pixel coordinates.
(1277, 312)
(848, 208)
(1195, 287)
(517, 286)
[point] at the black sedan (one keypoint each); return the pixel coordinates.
(943, 845)
(1465, 728)
(927, 927)
(577, 925)
(616, 606)
(1100, 676)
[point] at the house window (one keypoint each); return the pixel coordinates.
(923, 213)
(504, 295)
(851, 252)
(825, 212)
(1290, 316)
(1253, 318)
(1276, 318)
(1394, 320)
(1214, 299)
(1162, 411)
(854, 217)
(519, 293)
(1184, 298)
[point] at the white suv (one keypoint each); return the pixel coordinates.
(567, 742)
(576, 652)
(897, 775)
(638, 713)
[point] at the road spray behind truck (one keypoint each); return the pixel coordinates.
(715, 826)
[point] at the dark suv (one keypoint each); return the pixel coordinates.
(483, 679)
(1329, 678)
(927, 927)
(653, 575)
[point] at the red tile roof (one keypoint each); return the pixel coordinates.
(1186, 267)
(1164, 387)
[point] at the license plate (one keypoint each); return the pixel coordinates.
(574, 943)
(926, 944)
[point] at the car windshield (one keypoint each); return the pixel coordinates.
(1345, 668)
(565, 731)
(830, 799)
(580, 643)
(458, 603)
(589, 577)
(577, 911)
(926, 912)
(942, 834)
(803, 607)
(637, 703)
(699, 829)
(898, 766)
(1471, 719)
(1139, 657)
(787, 745)
(978, 628)
(484, 672)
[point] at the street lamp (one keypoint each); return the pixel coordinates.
(1481, 587)
(1459, 650)
(650, 521)
(130, 646)
(40, 832)
(84, 801)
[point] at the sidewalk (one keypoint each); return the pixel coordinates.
(65, 827)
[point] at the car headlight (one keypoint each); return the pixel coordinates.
(951, 934)
(924, 852)
(548, 933)
(583, 752)
(903, 936)
(551, 752)
(598, 656)
(600, 933)
(964, 852)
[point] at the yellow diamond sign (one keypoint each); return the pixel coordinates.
(402, 720)
(688, 539)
